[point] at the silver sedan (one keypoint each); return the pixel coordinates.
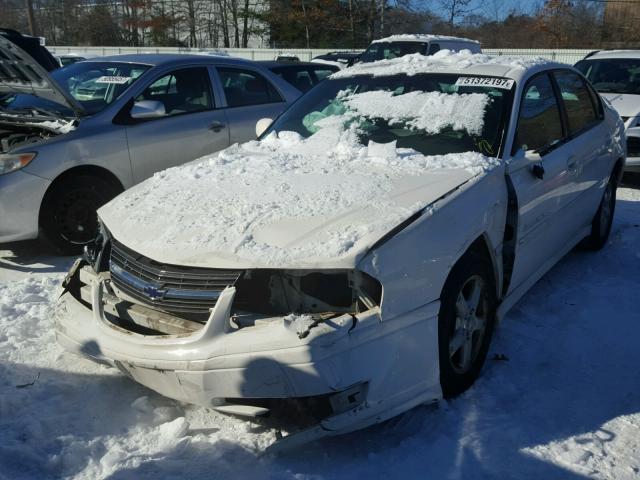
(71, 141)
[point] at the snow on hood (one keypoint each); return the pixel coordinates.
(626, 105)
(443, 60)
(285, 201)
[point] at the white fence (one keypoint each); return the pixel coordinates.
(564, 56)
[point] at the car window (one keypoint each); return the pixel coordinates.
(433, 48)
(298, 77)
(539, 123)
(434, 114)
(612, 75)
(244, 87)
(322, 73)
(389, 50)
(186, 90)
(577, 101)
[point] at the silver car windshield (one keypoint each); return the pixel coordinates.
(434, 114)
(95, 85)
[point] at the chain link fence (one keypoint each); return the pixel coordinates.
(563, 56)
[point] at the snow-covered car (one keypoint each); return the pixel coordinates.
(399, 45)
(72, 140)
(352, 262)
(616, 76)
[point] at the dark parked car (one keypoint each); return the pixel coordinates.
(302, 75)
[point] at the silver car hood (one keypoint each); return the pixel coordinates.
(19, 73)
(626, 105)
(173, 218)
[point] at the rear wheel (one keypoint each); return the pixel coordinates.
(603, 219)
(465, 323)
(68, 218)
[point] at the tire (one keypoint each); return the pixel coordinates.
(465, 323)
(68, 219)
(603, 219)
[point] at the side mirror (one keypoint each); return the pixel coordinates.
(145, 109)
(262, 126)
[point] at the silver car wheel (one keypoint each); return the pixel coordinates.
(470, 325)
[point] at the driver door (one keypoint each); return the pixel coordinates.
(539, 178)
(191, 127)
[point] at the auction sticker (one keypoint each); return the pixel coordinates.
(114, 79)
(504, 83)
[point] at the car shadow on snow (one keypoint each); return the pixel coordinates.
(57, 423)
(32, 256)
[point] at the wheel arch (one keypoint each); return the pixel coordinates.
(481, 247)
(81, 170)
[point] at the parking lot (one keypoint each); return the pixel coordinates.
(558, 397)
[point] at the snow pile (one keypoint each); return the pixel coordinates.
(428, 111)
(285, 198)
(419, 37)
(441, 61)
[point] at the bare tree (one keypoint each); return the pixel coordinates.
(454, 10)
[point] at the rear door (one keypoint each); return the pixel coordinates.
(538, 175)
(590, 160)
(192, 127)
(249, 96)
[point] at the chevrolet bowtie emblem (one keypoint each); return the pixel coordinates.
(154, 293)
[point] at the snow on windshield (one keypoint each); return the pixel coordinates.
(428, 111)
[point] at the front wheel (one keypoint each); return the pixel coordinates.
(465, 323)
(68, 218)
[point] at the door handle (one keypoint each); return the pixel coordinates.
(572, 163)
(216, 126)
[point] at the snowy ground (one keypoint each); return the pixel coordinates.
(564, 404)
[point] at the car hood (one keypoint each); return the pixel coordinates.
(626, 105)
(22, 74)
(265, 205)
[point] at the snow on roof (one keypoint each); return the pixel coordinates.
(422, 37)
(444, 60)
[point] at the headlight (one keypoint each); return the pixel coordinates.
(15, 161)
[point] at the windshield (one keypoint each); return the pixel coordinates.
(388, 50)
(613, 75)
(93, 84)
(434, 114)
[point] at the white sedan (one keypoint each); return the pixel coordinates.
(355, 260)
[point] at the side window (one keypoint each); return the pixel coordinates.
(597, 101)
(539, 123)
(244, 87)
(433, 48)
(181, 91)
(298, 77)
(577, 101)
(322, 73)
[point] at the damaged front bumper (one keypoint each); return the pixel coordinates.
(362, 369)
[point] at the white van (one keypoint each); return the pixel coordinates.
(400, 45)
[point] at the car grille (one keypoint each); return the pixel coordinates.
(633, 146)
(181, 291)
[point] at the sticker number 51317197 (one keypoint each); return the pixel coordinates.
(493, 82)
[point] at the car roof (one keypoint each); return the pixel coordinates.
(445, 61)
(274, 64)
(614, 54)
(156, 59)
(423, 37)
